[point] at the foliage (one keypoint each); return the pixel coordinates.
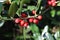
(16, 8)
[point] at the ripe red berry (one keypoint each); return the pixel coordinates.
(25, 24)
(54, 4)
(22, 22)
(31, 20)
(17, 20)
(49, 3)
(53, 0)
(23, 15)
(35, 21)
(40, 17)
(33, 12)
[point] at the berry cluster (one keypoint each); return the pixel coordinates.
(35, 20)
(26, 14)
(32, 19)
(52, 2)
(21, 22)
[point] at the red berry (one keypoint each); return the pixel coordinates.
(25, 24)
(23, 15)
(33, 12)
(49, 3)
(22, 22)
(17, 20)
(53, 0)
(39, 17)
(35, 21)
(31, 20)
(54, 4)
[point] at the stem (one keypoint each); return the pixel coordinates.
(21, 4)
(24, 34)
(14, 34)
(20, 8)
(38, 5)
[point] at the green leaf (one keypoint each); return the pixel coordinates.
(13, 8)
(17, 1)
(31, 7)
(58, 12)
(18, 12)
(27, 1)
(38, 4)
(58, 4)
(35, 31)
(24, 9)
(34, 28)
(0, 7)
(52, 12)
(21, 4)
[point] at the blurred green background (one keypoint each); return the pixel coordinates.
(1, 6)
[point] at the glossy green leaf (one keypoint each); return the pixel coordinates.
(52, 12)
(58, 4)
(38, 4)
(31, 7)
(24, 9)
(21, 4)
(34, 28)
(35, 31)
(13, 8)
